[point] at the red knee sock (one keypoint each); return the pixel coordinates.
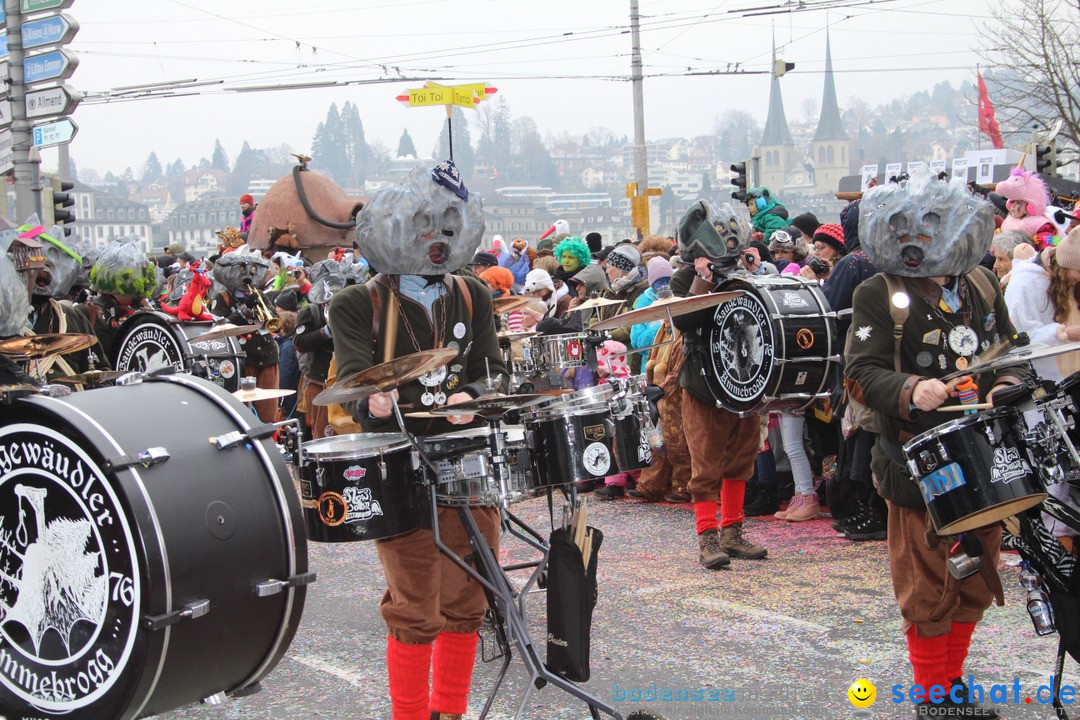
(705, 514)
(408, 667)
(455, 654)
(929, 660)
(732, 494)
(959, 641)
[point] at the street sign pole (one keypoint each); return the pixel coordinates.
(20, 128)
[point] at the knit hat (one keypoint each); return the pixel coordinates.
(659, 267)
(1068, 251)
(594, 241)
(247, 199)
(832, 234)
(498, 279)
(484, 258)
(286, 300)
(538, 280)
(807, 223)
(624, 258)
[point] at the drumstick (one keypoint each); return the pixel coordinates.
(390, 341)
(962, 408)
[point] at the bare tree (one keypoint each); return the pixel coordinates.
(1031, 46)
(810, 108)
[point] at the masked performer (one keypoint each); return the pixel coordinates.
(122, 278)
(416, 234)
(926, 239)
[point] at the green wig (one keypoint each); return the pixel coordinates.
(577, 247)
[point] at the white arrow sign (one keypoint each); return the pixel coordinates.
(5, 112)
(7, 154)
(51, 101)
(55, 133)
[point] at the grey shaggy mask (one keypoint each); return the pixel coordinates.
(419, 228)
(63, 269)
(720, 235)
(926, 228)
(14, 302)
(243, 266)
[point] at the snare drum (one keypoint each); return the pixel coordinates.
(571, 445)
(146, 568)
(151, 340)
(633, 423)
(361, 487)
(466, 476)
(558, 352)
(972, 471)
(772, 348)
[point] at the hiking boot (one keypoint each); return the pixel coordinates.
(842, 524)
(610, 492)
(971, 709)
(802, 508)
(732, 541)
(870, 527)
(710, 554)
(446, 716)
(677, 497)
(647, 497)
(763, 504)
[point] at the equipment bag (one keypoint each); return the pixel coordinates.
(571, 598)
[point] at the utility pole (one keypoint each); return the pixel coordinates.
(639, 191)
(21, 139)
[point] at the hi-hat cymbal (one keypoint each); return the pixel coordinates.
(39, 346)
(518, 302)
(660, 309)
(1016, 356)
(226, 330)
(249, 396)
(595, 303)
(507, 336)
(91, 377)
(385, 376)
(485, 406)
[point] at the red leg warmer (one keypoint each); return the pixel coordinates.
(732, 494)
(455, 654)
(959, 641)
(408, 667)
(929, 659)
(705, 514)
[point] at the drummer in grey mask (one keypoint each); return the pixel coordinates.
(927, 238)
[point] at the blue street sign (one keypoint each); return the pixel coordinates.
(3, 15)
(52, 30)
(54, 65)
(3, 45)
(55, 133)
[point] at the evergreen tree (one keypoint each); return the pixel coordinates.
(219, 161)
(152, 169)
(244, 171)
(502, 152)
(357, 151)
(328, 147)
(405, 146)
(463, 149)
(176, 169)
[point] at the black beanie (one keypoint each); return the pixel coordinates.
(807, 223)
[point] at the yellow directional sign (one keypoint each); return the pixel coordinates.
(434, 94)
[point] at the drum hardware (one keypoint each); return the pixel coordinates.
(385, 376)
(275, 587)
(191, 611)
(250, 396)
(667, 309)
(35, 347)
(146, 458)
(486, 406)
(595, 304)
(90, 377)
(223, 331)
(217, 698)
(506, 335)
(965, 557)
(258, 432)
(263, 312)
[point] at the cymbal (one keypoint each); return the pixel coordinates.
(518, 302)
(226, 330)
(485, 406)
(248, 396)
(660, 309)
(91, 377)
(506, 335)
(1016, 356)
(385, 376)
(595, 303)
(39, 346)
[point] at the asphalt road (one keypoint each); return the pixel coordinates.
(781, 638)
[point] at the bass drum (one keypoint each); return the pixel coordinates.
(151, 340)
(773, 347)
(143, 567)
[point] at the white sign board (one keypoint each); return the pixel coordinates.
(5, 112)
(51, 101)
(960, 168)
(892, 170)
(869, 172)
(914, 166)
(984, 170)
(7, 154)
(937, 166)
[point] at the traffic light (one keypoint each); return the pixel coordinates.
(780, 67)
(639, 212)
(1046, 159)
(62, 198)
(739, 181)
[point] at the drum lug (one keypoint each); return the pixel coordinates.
(273, 587)
(237, 438)
(146, 458)
(217, 698)
(191, 611)
(530, 439)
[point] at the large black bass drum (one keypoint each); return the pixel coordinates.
(772, 348)
(150, 340)
(142, 568)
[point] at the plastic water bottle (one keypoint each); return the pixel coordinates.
(1038, 606)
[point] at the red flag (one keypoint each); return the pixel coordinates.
(987, 122)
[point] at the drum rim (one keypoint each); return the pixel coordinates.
(556, 413)
(387, 446)
(949, 425)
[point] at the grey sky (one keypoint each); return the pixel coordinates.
(517, 46)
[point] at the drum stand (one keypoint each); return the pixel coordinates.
(506, 603)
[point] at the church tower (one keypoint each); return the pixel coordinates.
(777, 148)
(830, 150)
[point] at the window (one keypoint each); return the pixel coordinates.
(821, 155)
(832, 156)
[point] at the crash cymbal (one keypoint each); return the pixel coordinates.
(249, 396)
(660, 309)
(518, 302)
(507, 336)
(1016, 356)
(385, 376)
(39, 346)
(595, 303)
(226, 330)
(485, 406)
(91, 377)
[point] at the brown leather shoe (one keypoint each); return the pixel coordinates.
(736, 545)
(710, 554)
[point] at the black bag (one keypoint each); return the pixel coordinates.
(571, 598)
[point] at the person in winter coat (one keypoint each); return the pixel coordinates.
(518, 260)
(766, 214)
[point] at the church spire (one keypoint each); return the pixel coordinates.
(776, 127)
(830, 126)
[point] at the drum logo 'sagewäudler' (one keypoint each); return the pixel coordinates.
(1008, 465)
(69, 589)
(149, 348)
(742, 347)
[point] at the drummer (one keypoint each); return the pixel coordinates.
(955, 311)
(432, 609)
(14, 312)
(119, 279)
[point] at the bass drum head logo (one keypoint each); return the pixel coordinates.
(149, 347)
(741, 348)
(70, 592)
